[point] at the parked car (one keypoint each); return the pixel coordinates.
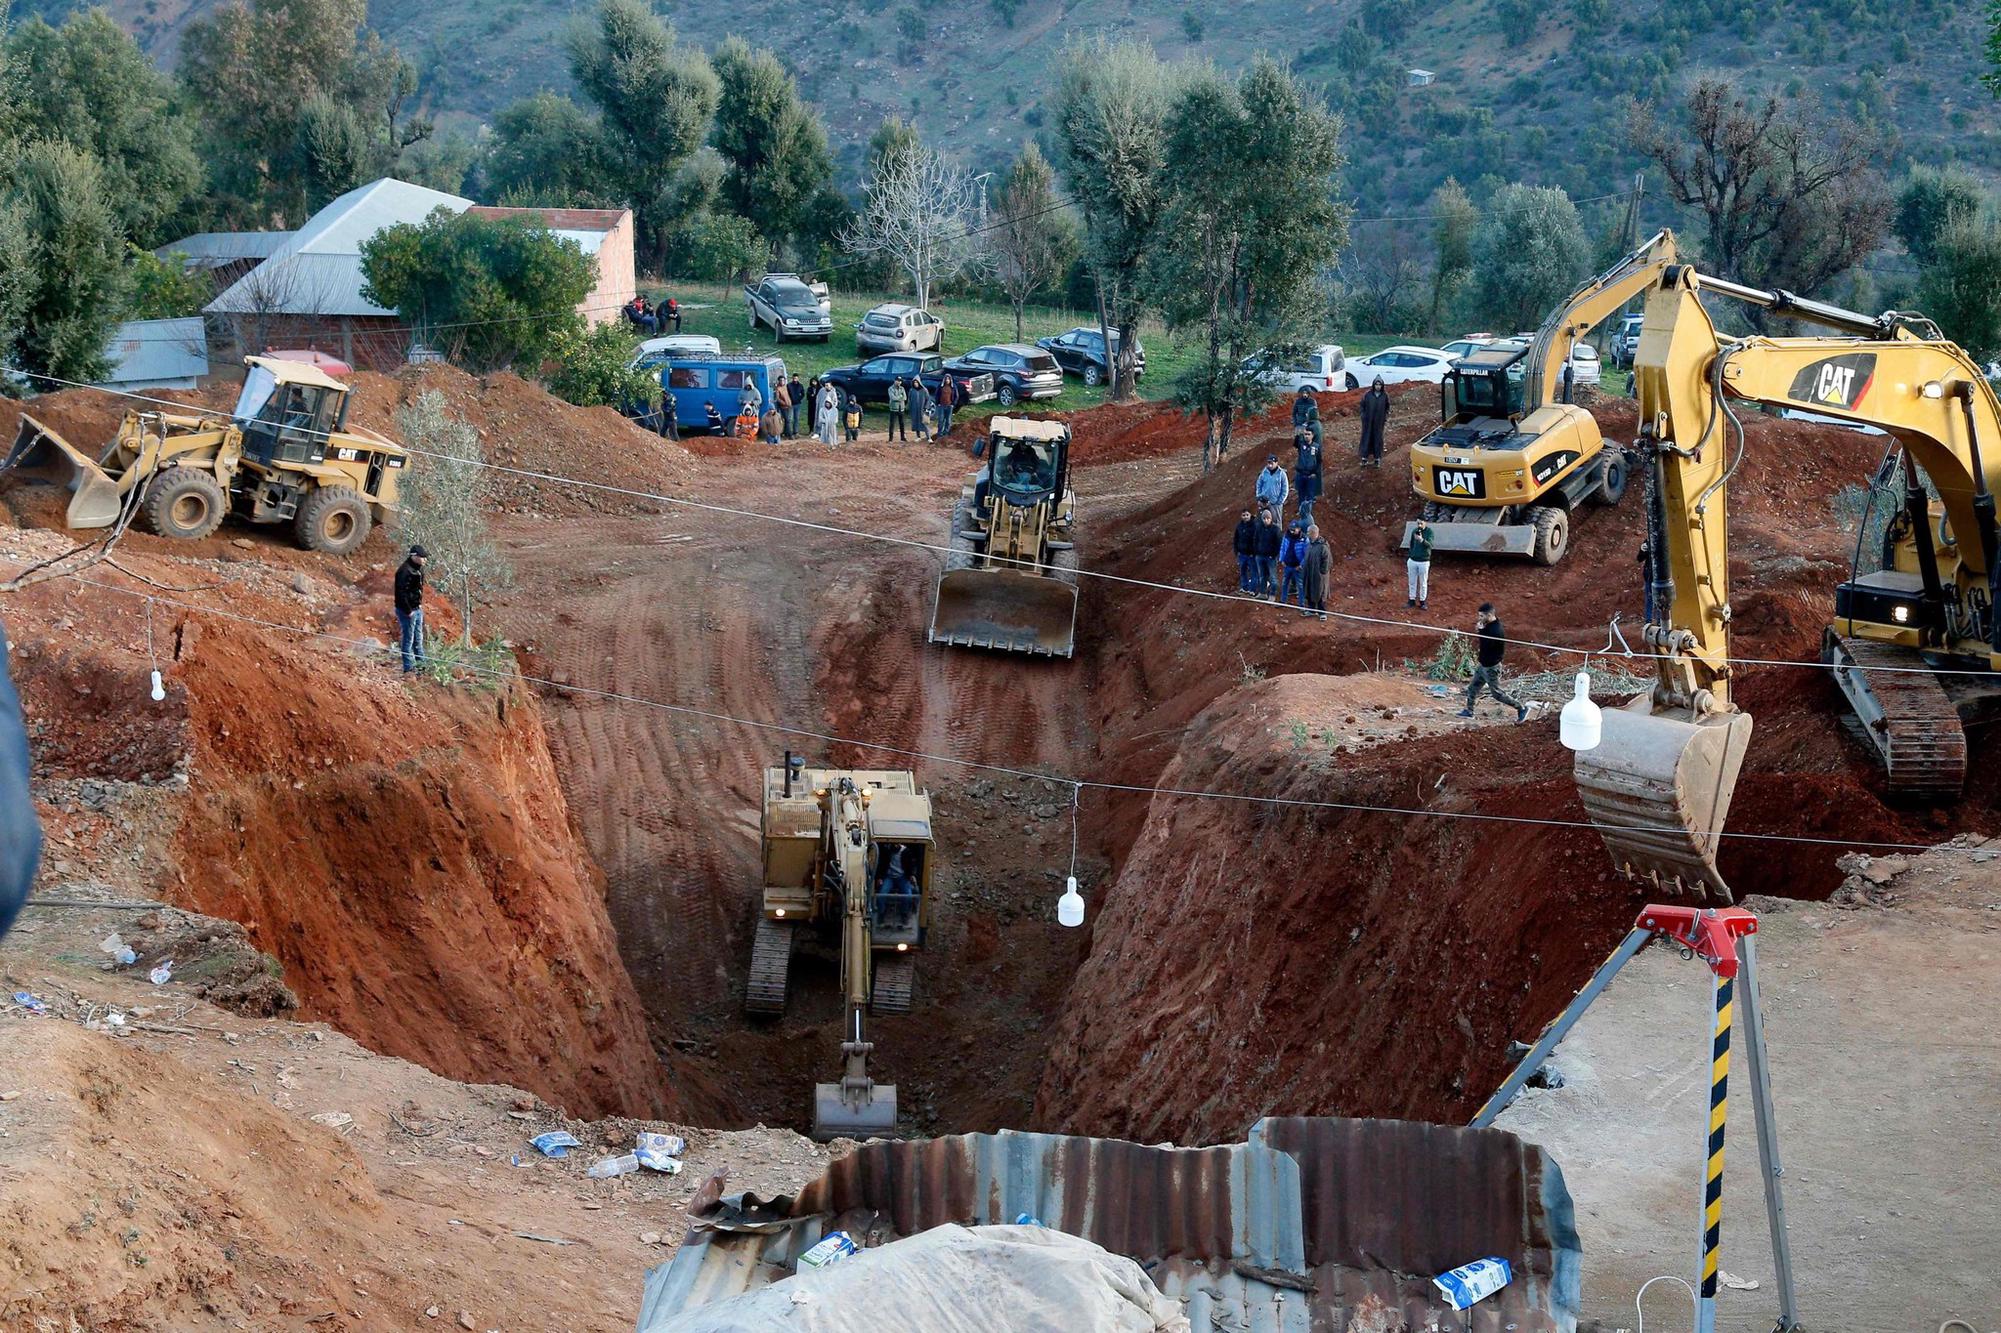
(869, 382)
(1400, 365)
(1081, 352)
(654, 352)
(1626, 341)
(1319, 368)
(1020, 372)
(788, 307)
(1584, 367)
(899, 328)
(1472, 342)
(695, 379)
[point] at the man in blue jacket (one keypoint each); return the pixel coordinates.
(1292, 559)
(20, 832)
(1272, 488)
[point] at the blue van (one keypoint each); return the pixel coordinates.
(694, 380)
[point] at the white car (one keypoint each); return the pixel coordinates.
(1400, 365)
(655, 351)
(1321, 369)
(1584, 367)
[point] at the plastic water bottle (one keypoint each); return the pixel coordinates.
(613, 1166)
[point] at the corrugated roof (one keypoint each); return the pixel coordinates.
(212, 249)
(317, 270)
(558, 219)
(1312, 1223)
(157, 351)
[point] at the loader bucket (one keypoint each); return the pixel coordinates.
(1658, 787)
(846, 1110)
(1007, 609)
(40, 451)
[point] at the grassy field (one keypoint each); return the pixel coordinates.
(968, 324)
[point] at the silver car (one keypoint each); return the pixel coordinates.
(899, 328)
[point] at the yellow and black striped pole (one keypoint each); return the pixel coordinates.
(1712, 1184)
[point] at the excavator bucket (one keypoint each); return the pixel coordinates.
(847, 1110)
(39, 450)
(1658, 787)
(1007, 609)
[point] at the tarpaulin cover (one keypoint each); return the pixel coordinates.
(954, 1279)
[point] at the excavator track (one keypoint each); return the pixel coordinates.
(895, 975)
(1907, 715)
(770, 962)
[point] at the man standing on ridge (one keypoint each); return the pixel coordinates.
(410, 608)
(1375, 413)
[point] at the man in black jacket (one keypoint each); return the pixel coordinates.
(1265, 544)
(1245, 545)
(1375, 412)
(1493, 643)
(410, 608)
(20, 831)
(1306, 473)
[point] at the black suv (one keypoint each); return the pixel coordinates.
(1020, 372)
(869, 382)
(1081, 351)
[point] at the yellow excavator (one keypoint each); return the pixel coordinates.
(1010, 580)
(285, 454)
(1515, 459)
(1660, 780)
(847, 858)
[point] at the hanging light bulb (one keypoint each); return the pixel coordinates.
(159, 690)
(1582, 721)
(1070, 907)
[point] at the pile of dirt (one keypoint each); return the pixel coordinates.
(1123, 432)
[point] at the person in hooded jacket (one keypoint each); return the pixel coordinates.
(1375, 414)
(1318, 564)
(1291, 559)
(1306, 472)
(1245, 544)
(1272, 487)
(1266, 542)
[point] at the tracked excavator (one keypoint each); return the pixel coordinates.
(1010, 580)
(1659, 783)
(1514, 460)
(847, 861)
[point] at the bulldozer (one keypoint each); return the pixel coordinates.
(848, 860)
(284, 454)
(1514, 459)
(1010, 580)
(1659, 782)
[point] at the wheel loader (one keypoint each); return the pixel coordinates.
(1010, 581)
(1659, 783)
(848, 861)
(283, 455)
(1514, 461)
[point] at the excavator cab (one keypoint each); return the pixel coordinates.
(287, 410)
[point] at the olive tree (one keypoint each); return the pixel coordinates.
(444, 498)
(1529, 252)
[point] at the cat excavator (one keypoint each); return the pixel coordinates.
(1658, 784)
(847, 859)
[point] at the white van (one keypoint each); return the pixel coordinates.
(654, 352)
(1320, 369)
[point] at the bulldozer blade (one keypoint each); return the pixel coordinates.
(40, 451)
(1658, 787)
(1478, 538)
(870, 1114)
(1006, 609)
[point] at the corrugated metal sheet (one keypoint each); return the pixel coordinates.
(1312, 1224)
(317, 270)
(213, 249)
(157, 353)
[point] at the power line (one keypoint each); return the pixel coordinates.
(705, 506)
(1183, 793)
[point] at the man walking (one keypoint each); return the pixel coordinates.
(1375, 412)
(899, 410)
(920, 407)
(1245, 544)
(1493, 642)
(1306, 472)
(1272, 487)
(1291, 557)
(1267, 541)
(1417, 569)
(410, 608)
(948, 398)
(1319, 563)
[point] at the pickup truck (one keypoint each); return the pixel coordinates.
(869, 382)
(788, 307)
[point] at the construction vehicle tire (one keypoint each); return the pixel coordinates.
(1611, 479)
(1552, 534)
(1434, 512)
(333, 521)
(185, 502)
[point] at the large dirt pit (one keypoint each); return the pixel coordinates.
(557, 891)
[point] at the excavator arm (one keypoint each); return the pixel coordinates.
(1659, 783)
(857, 1106)
(1588, 307)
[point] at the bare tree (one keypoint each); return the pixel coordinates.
(1385, 281)
(1788, 200)
(1028, 235)
(443, 500)
(925, 215)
